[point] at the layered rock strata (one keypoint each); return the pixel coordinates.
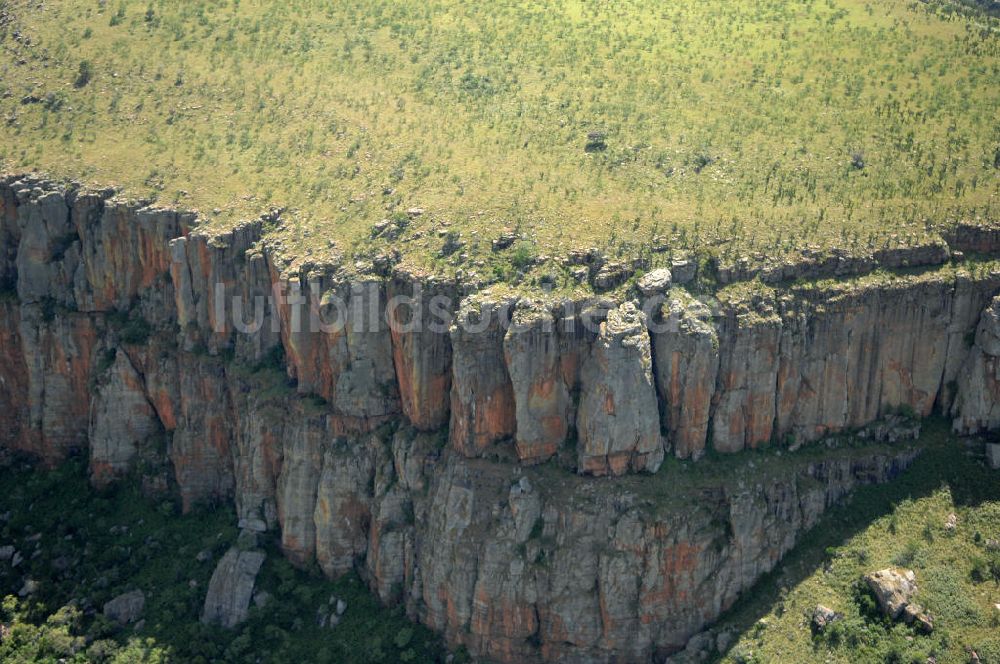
(399, 439)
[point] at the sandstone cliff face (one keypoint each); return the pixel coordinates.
(748, 365)
(482, 398)
(527, 567)
(58, 353)
(121, 420)
(421, 352)
(127, 332)
(618, 420)
(686, 352)
(533, 356)
(977, 405)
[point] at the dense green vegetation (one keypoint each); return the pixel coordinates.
(744, 124)
(84, 548)
(899, 524)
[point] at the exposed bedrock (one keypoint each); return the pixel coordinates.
(977, 405)
(617, 423)
(686, 354)
(421, 352)
(382, 424)
(482, 397)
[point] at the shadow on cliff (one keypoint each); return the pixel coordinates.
(946, 461)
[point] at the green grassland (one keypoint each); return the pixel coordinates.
(750, 125)
(900, 524)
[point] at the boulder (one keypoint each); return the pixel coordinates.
(823, 617)
(30, 587)
(893, 589)
(506, 240)
(125, 608)
(231, 588)
(655, 282)
(914, 614)
(611, 276)
(993, 455)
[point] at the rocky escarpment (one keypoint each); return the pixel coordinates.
(379, 423)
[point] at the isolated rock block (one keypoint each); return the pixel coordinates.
(231, 588)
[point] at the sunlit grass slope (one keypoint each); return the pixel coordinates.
(764, 123)
(900, 524)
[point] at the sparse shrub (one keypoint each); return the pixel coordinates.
(272, 360)
(596, 142)
(537, 528)
(403, 637)
(118, 16)
(136, 331)
(524, 255)
(84, 73)
(867, 605)
(701, 160)
(908, 556)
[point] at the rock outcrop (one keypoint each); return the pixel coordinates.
(543, 385)
(482, 397)
(618, 421)
(125, 608)
(413, 453)
(686, 350)
(977, 405)
(122, 419)
(231, 588)
(893, 589)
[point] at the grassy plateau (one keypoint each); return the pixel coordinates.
(745, 126)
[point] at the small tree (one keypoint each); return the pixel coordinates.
(596, 141)
(84, 74)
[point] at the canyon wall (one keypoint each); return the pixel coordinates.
(452, 465)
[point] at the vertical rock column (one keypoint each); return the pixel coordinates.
(482, 398)
(618, 423)
(748, 365)
(977, 406)
(542, 398)
(419, 318)
(338, 345)
(121, 420)
(686, 351)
